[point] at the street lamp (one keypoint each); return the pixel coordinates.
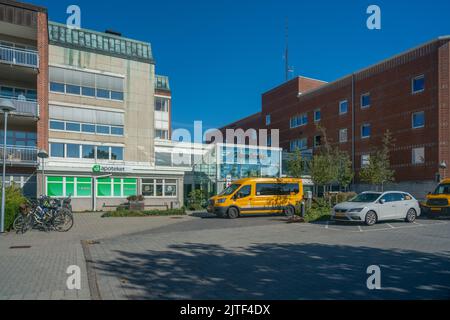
(443, 166)
(6, 106)
(42, 154)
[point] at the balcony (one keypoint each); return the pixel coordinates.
(19, 156)
(19, 57)
(25, 107)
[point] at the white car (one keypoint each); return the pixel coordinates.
(371, 207)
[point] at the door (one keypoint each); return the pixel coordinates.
(242, 199)
(386, 207)
(401, 205)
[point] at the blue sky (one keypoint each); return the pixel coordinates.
(221, 55)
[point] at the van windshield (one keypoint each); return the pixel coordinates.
(442, 189)
(230, 190)
(366, 197)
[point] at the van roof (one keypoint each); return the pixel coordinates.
(447, 180)
(278, 180)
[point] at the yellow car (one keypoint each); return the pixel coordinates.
(258, 196)
(438, 202)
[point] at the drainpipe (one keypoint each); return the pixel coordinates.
(353, 125)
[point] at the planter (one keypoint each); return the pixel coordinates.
(136, 206)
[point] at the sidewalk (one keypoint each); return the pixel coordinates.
(36, 268)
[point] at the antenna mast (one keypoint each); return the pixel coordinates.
(286, 53)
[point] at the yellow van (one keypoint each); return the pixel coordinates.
(258, 196)
(438, 202)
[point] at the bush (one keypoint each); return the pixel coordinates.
(135, 198)
(147, 213)
(320, 210)
(13, 200)
(196, 200)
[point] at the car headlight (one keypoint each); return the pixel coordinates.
(356, 210)
(221, 200)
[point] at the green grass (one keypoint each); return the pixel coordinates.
(147, 213)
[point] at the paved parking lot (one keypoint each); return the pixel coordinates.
(267, 258)
(203, 257)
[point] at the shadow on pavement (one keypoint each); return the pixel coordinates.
(278, 271)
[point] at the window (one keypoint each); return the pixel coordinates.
(88, 92)
(73, 151)
(276, 189)
(103, 153)
(88, 128)
(418, 84)
(103, 94)
(57, 87)
(161, 104)
(343, 107)
(365, 100)
(19, 138)
(300, 144)
(170, 188)
(117, 153)
(365, 131)
(116, 187)
(418, 155)
(148, 187)
(299, 120)
(57, 125)
(244, 192)
(317, 141)
(118, 131)
(71, 126)
(268, 120)
(365, 160)
(103, 129)
(317, 115)
(71, 89)
(161, 134)
(57, 150)
(343, 136)
(86, 83)
(88, 152)
(418, 120)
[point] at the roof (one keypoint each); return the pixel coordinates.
(22, 5)
(99, 42)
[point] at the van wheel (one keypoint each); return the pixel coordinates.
(371, 218)
(289, 211)
(233, 213)
(411, 216)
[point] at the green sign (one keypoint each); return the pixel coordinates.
(107, 169)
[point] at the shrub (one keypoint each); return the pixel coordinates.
(13, 201)
(320, 210)
(196, 200)
(135, 198)
(148, 213)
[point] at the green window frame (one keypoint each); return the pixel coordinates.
(76, 187)
(116, 187)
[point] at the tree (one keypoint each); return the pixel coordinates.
(323, 170)
(296, 164)
(345, 173)
(378, 171)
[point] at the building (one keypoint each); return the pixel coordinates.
(24, 82)
(407, 94)
(106, 106)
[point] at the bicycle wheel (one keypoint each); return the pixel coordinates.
(63, 220)
(19, 223)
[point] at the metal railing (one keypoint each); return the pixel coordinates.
(19, 155)
(21, 57)
(23, 107)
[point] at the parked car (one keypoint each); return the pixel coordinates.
(438, 202)
(371, 207)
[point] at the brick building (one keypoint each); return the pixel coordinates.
(24, 84)
(407, 94)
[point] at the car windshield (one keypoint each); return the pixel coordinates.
(230, 190)
(442, 189)
(366, 197)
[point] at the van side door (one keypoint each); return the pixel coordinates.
(242, 199)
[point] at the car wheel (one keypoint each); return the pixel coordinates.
(411, 216)
(289, 211)
(233, 213)
(371, 218)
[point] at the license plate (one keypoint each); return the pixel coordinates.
(436, 209)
